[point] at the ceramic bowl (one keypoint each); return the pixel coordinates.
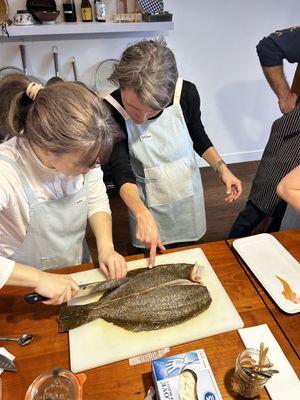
(46, 17)
(23, 17)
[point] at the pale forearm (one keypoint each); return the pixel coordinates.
(101, 225)
(24, 275)
(129, 193)
(289, 188)
(212, 157)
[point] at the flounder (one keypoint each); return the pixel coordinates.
(146, 299)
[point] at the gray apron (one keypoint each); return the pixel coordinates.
(55, 235)
(165, 167)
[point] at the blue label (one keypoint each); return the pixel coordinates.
(209, 396)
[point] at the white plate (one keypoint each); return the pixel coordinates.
(267, 259)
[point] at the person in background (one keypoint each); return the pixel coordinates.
(155, 168)
(282, 152)
(49, 184)
(289, 188)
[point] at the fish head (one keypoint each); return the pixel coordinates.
(196, 274)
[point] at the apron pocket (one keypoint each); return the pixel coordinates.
(169, 182)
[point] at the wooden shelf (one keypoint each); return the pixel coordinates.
(39, 32)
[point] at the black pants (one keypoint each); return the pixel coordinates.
(252, 216)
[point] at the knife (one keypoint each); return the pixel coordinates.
(85, 289)
(7, 364)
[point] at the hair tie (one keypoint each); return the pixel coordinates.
(33, 89)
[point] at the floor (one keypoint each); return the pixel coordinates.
(219, 214)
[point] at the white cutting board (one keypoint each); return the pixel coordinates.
(100, 342)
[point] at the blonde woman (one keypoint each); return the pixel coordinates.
(49, 184)
(159, 114)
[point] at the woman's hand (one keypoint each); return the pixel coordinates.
(59, 288)
(112, 263)
(232, 183)
(147, 233)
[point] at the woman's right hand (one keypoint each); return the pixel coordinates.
(59, 288)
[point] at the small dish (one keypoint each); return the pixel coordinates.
(57, 383)
(23, 18)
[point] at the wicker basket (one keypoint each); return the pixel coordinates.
(3, 11)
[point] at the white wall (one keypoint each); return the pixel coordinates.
(214, 42)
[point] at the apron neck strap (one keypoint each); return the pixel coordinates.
(117, 106)
(177, 93)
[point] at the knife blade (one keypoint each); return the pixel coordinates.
(7, 364)
(85, 289)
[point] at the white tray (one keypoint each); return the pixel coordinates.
(267, 258)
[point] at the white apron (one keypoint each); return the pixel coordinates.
(56, 230)
(164, 163)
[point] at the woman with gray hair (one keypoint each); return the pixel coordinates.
(49, 184)
(160, 116)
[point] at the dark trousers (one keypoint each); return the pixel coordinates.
(251, 217)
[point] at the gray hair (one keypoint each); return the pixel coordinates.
(63, 118)
(149, 69)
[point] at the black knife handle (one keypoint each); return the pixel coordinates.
(34, 297)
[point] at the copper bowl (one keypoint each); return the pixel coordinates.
(46, 17)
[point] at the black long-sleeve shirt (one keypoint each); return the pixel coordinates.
(119, 170)
(279, 45)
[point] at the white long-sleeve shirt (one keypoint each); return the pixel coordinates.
(47, 184)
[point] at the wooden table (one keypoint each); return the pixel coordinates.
(119, 380)
(288, 323)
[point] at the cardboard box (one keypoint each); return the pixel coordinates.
(185, 376)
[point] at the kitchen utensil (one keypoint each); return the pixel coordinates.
(102, 85)
(120, 344)
(262, 251)
(57, 383)
(85, 289)
(73, 61)
(23, 340)
(7, 364)
(55, 79)
(24, 58)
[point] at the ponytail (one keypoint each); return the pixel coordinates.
(14, 104)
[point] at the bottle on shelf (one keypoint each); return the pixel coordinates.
(86, 11)
(100, 14)
(69, 11)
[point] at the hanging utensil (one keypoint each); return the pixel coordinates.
(56, 78)
(73, 61)
(24, 59)
(102, 85)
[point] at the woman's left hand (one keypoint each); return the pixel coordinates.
(232, 183)
(112, 264)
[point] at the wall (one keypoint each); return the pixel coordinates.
(214, 42)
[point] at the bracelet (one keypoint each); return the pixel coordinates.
(217, 166)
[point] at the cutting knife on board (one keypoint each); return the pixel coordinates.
(85, 289)
(7, 364)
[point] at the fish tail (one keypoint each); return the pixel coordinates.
(71, 317)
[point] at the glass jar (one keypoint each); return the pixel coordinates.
(248, 384)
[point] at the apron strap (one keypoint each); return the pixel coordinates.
(25, 184)
(117, 106)
(177, 93)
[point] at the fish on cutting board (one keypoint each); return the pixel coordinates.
(151, 299)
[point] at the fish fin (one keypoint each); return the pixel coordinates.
(71, 317)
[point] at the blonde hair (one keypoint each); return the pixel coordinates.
(149, 69)
(63, 118)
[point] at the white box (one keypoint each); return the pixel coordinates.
(186, 375)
